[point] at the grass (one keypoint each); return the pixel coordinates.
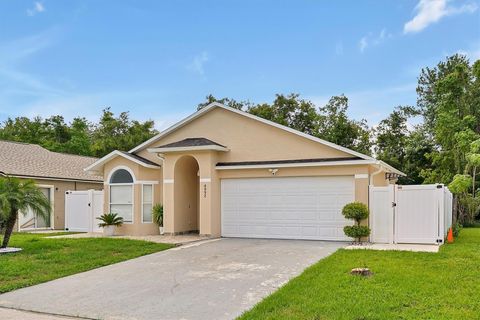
(405, 285)
(46, 259)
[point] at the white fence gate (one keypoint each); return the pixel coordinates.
(82, 208)
(410, 214)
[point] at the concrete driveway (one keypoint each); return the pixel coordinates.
(214, 279)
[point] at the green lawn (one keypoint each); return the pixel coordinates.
(47, 259)
(405, 285)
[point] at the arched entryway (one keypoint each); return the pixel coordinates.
(186, 195)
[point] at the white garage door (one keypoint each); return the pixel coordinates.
(286, 208)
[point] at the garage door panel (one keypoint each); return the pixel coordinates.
(290, 208)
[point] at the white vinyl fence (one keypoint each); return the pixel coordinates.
(82, 208)
(410, 214)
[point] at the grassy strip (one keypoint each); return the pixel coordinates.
(46, 259)
(405, 285)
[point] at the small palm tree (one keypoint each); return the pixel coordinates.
(157, 214)
(18, 196)
(110, 219)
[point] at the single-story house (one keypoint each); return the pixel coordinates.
(225, 172)
(53, 172)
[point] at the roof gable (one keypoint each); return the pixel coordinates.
(215, 105)
(95, 166)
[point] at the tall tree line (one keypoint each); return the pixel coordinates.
(80, 136)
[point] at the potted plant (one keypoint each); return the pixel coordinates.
(157, 215)
(108, 222)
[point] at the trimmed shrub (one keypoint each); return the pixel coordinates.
(356, 211)
(356, 232)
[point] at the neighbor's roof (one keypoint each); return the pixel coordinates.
(31, 160)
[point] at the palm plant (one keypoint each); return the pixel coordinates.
(157, 214)
(110, 219)
(19, 196)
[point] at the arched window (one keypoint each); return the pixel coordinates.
(121, 176)
(121, 194)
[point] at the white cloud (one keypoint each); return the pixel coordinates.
(373, 40)
(431, 11)
(38, 7)
(197, 65)
(363, 44)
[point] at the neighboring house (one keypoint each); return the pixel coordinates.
(225, 172)
(53, 172)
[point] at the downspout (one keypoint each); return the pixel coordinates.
(374, 174)
(370, 183)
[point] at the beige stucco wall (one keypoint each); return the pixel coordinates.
(186, 194)
(207, 198)
(247, 140)
(59, 189)
(141, 175)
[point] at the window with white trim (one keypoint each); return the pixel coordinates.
(121, 194)
(147, 203)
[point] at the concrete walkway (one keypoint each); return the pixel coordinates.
(214, 279)
(12, 314)
(178, 239)
(396, 247)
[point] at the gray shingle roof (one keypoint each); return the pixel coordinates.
(31, 160)
(191, 142)
(140, 159)
(251, 163)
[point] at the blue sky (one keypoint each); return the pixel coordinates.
(159, 59)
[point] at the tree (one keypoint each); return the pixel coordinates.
(330, 122)
(448, 97)
(466, 205)
(336, 127)
(80, 137)
(225, 101)
(119, 133)
(22, 129)
(402, 148)
(19, 196)
(418, 146)
(291, 111)
(473, 162)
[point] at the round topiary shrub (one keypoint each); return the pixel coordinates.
(356, 211)
(356, 232)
